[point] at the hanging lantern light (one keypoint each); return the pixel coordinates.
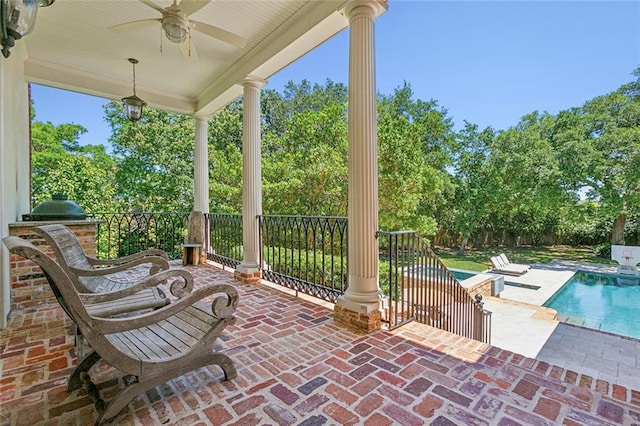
(134, 104)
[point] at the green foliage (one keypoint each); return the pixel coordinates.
(415, 145)
(561, 178)
(324, 269)
(155, 158)
(225, 160)
(59, 165)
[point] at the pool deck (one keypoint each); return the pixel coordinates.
(520, 324)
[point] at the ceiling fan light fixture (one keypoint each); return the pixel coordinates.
(176, 28)
(17, 19)
(133, 104)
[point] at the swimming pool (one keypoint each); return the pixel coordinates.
(462, 275)
(602, 302)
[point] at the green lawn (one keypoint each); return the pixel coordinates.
(478, 260)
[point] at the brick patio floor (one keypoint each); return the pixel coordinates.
(296, 366)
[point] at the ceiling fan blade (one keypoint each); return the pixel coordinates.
(152, 5)
(189, 49)
(192, 6)
(133, 25)
(219, 33)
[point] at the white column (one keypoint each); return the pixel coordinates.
(363, 294)
(251, 176)
(201, 167)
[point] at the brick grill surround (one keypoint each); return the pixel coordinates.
(29, 287)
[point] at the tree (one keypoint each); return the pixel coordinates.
(474, 191)
(415, 146)
(225, 159)
(610, 159)
(86, 174)
(155, 158)
(305, 168)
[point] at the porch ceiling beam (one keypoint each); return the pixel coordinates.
(66, 78)
(289, 42)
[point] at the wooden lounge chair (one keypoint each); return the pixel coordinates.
(500, 267)
(91, 275)
(156, 346)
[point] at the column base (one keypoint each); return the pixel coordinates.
(365, 318)
(247, 275)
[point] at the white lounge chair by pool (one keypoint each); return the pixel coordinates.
(506, 261)
(502, 267)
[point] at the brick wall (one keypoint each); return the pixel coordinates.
(29, 287)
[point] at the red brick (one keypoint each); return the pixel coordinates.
(369, 404)
(340, 414)
(36, 351)
(602, 387)
(339, 364)
(341, 379)
(401, 416)
(571, 376)
(248, 404)
(378, 420)
(428, 406)
(583, 394)
(526, 389)
(547, 408)
(412, 370)
(311, 403)
(619, 392)
(261, 386)
(365, 386)
(284, 394)
(566, 400)
(405, 359)
(452, 396)
(250, 419)
(341, 394)
(585, 381)
(176, 404)
(391, 378)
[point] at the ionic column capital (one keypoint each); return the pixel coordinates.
(251, 81)
(367, 8)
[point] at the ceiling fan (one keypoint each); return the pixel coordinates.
(177, 26)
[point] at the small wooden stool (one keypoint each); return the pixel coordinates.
(191, 254)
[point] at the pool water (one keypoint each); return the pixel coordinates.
(603, 302)
(461, 275)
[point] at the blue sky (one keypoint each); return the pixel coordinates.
(488, 63)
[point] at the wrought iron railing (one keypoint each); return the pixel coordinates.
(419, 287)
(309, 255)
(225, 238)
(121, 234)
(305, 253)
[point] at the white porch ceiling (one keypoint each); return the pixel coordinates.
(72, 48)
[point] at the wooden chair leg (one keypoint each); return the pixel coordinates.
(129, 393)
(75, 381)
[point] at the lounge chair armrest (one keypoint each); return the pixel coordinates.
(178, 288)
(127, 259)
(157, 264)
(221, 307)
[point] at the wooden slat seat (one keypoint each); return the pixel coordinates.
(155, 346)
(92, 275)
